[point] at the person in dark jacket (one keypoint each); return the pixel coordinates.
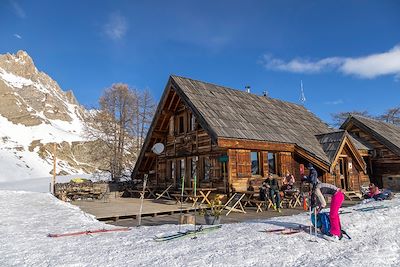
(272, 185)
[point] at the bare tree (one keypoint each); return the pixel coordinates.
(146, 112)
(392, 115)
(340, 117)
(121, 123)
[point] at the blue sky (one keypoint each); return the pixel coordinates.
(347, 53)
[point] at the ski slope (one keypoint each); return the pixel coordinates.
(28, 217)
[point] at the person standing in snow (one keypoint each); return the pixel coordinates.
(324, 189)
(318, 200)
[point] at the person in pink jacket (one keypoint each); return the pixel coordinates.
(373, 190)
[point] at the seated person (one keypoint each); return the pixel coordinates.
(373, 191)
(376, 194)
(251, 186)
(272, 185)
(288, 182)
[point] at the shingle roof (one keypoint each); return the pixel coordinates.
(359, 143)
(387, 133)
(331, 142)
(237, 114)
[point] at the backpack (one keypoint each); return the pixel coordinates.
(323, 222)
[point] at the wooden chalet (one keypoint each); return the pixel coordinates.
(228, 138)
(382, 153)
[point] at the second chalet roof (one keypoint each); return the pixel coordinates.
(330, 143)
(387, 133)
(237, 114)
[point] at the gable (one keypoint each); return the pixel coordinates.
(385, 133)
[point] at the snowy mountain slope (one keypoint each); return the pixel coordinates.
(34, 111)
(28, 217)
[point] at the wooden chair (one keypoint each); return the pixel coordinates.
(165, 193)
(234, 203)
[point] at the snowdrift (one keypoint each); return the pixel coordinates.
(28, 217)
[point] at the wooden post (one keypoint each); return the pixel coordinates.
(225, 180)
(53, 182)
(142, 198)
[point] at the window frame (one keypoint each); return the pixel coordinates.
(259, 163)
(275, 169)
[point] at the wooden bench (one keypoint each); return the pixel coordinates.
(258, 203)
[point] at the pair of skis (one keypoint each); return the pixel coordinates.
(287, 230)
(89, 232)
(186, 233)
(372, 208)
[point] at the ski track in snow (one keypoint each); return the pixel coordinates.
(28, 217)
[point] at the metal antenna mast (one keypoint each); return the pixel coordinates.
(302, 96)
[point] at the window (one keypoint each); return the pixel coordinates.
(172, 169)
(271, 163)
(181, 125)
(193, 170)
(171, 126)
(192, 122)
(181, 168)
(207, 168)
(255, 163)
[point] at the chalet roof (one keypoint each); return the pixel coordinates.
(388, 134)
(237, 114)
(331, 142)
(359, 143)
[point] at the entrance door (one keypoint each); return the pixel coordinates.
(344, 177)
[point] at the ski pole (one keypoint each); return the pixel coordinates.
(182, 189)
(195, 206)
(315, 219)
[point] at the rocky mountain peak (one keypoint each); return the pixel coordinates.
(30, 97)
(20, 64)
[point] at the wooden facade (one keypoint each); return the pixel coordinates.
(230, 139)
(383, 156)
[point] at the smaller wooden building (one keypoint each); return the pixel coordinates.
(382, 153)
(230, 139)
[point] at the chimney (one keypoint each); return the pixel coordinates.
(247, 87)
(265, 93)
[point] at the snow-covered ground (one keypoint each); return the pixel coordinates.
(28, 217)
(41, 184)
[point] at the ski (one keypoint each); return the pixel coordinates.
(286, 230)
(344, 212)
(88, 232)
(187, 233)
(372, 208)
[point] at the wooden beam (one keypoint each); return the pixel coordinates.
(158, 134)
(251, 144)
(167, 113)
(319, 163)
(172, 100)
(149, 154)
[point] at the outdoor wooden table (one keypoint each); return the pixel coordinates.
(191, 196)
(149, 190)
(204, 193)
(140, 192)
(294, 197)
